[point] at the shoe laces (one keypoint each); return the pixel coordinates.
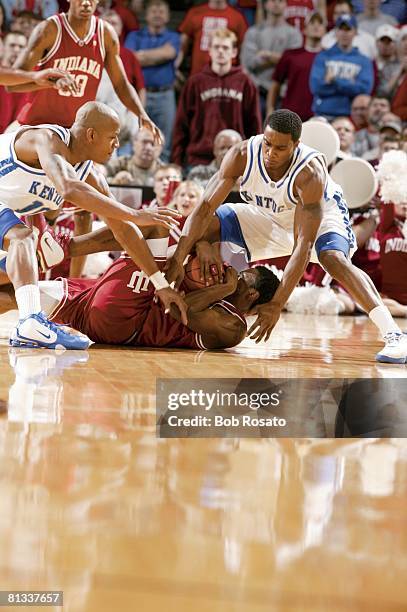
(393, 338)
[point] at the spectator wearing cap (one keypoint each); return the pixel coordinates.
(390, 131)
(294, 69)
(363, 41)
(224, 140)
(372, 18)
(264, 45)
(156, 48)
(340, 73)
(368, 138)
(359, 111)
(387, 62)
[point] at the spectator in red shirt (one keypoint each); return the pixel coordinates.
(393, 252)
(219, 97)
(294, 68)
(198, 25)
(10, 103)
(399, 102)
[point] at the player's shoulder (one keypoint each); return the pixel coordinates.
(235, 160)
(46, 31)
(312, 177)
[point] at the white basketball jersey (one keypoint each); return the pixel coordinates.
(277, 197)
(28, 190)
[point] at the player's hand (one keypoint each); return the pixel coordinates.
(67, 85)
(267, 317)
(174, 271)
(170, 297)
(231, 279)
(146, 123)
(157, 216)
(51, 76)
(210, 261)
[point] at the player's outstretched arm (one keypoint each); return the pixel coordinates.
(218, 328)
(53, 155)
(215, 193)
(125, 91)
(309, 188)
(42, 38)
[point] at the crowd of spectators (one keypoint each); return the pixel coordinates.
(209, 74)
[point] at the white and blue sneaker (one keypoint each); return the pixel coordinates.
(395, 349)
(36, 331)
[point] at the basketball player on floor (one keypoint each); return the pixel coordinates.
(119, 307)
(293, 208)
(39, 168)
(83, 45)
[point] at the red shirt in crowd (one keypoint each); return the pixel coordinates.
(208, 104)
(295, 67)
(393, 254)
(198, 24)
(297, 11)
(367, 257)
(399, 102)
(82, 58)
(132, 68)
(10, 105)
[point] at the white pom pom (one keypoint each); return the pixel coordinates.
(392, 175)
(313, 300)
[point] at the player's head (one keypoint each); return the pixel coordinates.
(255, 286)
(82, 9)
(97, 128)
(282, 132)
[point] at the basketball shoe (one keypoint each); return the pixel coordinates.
(395, 349)
(52, 248)
(36, 331)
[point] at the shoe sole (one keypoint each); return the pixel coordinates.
(384, 359)
(26, 344)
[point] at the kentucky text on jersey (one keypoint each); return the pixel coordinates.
(46, 192)
(79, 64)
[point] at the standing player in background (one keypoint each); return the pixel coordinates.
(82, 44)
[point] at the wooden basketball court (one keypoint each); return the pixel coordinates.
(94, 504)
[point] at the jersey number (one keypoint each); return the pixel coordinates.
(81, 82)
(138, 282)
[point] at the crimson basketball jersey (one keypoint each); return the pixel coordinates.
(82, 58)
(120, 308)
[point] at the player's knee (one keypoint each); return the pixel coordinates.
(333, 262)
(18, 236)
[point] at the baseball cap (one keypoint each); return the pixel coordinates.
(348, 20)
(402, 32)
(393, 125)
(387, 31)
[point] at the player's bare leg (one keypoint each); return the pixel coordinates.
(33, 329)
(360, 286)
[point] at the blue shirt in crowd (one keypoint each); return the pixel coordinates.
(353, 75)
(162, 75)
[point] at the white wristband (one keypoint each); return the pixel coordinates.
(159, 281)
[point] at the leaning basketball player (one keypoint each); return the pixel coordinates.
(39, 168)
(119, 307)
(84, 45)
(293, 208)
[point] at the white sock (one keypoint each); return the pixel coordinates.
(382, 318)
(28, 300)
